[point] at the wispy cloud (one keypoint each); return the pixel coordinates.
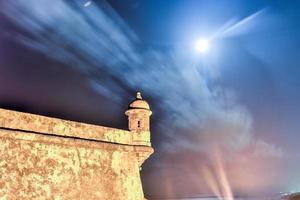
(235, 27)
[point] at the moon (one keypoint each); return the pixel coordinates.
(202, 45)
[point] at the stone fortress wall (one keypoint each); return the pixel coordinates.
(49, 158)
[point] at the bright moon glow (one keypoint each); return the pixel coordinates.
(202, 45)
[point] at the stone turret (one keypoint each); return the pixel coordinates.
(138, 114)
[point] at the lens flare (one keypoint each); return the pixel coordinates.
(88, 3)
(217, 179)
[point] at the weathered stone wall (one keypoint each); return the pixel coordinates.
(38, 161)
(47, 125)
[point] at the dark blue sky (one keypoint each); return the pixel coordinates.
(261, 63)
(241, 98)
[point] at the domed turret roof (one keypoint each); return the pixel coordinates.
(139, 103)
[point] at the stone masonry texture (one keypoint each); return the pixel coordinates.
(49, 158)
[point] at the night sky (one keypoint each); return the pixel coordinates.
(233, 110)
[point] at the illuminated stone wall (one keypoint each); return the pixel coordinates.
(46, 158)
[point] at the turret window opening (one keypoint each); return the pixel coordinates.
(139, 124)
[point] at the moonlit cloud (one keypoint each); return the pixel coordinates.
(235, 27)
